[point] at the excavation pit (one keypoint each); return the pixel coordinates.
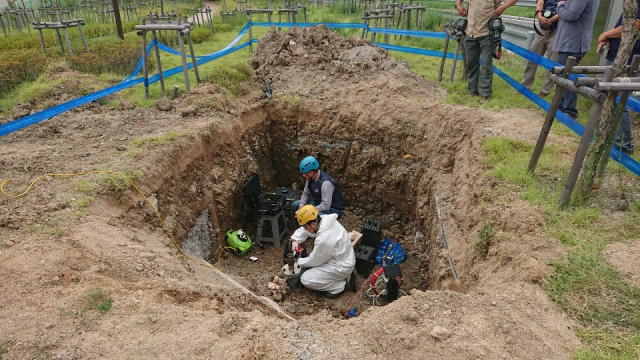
(377, 127)
(382, 177)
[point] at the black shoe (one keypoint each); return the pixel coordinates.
(484, 99)
(352, 282)
(626, 151)
(329, 295)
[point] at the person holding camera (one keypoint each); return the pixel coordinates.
(542, 43)
(479, 44)
(611, 40)
(573, 38)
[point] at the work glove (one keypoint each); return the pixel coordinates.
(294, 246)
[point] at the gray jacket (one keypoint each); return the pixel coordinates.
(575, 26)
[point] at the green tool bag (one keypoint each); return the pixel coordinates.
(239, 241)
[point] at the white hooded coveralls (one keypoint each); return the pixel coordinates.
(332, 260)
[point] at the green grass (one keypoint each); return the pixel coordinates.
(584, 284)
(288, 101)
(232, 77)
(508, 160)
(605, 345)
(160, 139)
(100, 300)
(112, 183)
(522, 11)
(485, 239)
(2, 351)
(51, 226)
(103, 183)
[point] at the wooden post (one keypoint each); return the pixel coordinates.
(409, 15)
(607, 127)
(455, 61)
(192, 53)
(553, 108)
(594, 115)
(4, 31)
(84, 41)
(44, 51)
(250, 36)
(145, 68)
(386, 26)
(18, 23)
(400, 24)
(444, 55)
(373, 35)
(66, 36)
(60, 39)
(116, 14)
(185, 70)
(157, 51)
(366, 25)
(210, 17)
(193, 58)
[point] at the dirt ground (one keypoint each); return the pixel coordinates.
(381, 130)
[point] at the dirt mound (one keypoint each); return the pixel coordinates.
(318, 62)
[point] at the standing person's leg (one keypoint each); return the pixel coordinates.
(472, 55)
(485, 83)
(547, 85)
(538, 47)
(569, 98)
(623, 136)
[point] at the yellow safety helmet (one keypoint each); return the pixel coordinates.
(306, 213)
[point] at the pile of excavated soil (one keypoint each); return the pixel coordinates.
(376, 127)
(321, 64)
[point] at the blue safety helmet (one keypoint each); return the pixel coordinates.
(309, 163)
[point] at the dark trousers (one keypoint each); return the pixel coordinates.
(569, 102)
(623, 136)
(479, 76)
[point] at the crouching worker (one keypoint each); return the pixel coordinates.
(329, 267)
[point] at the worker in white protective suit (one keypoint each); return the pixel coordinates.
(330, 265)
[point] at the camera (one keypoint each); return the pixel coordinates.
(496, 28)
(602, 49)
(548, 15)
(458, 27)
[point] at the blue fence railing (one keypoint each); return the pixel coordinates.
(130, 81)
